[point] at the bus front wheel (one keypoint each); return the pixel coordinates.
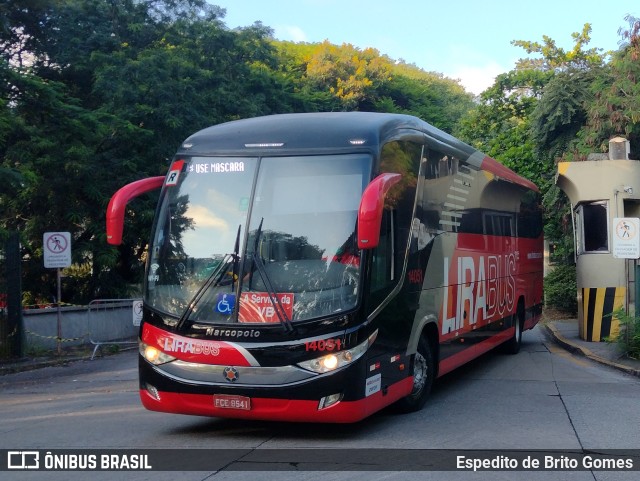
(424, 371)
(512, 346)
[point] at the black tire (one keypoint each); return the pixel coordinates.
(512, 346)
(424, 373)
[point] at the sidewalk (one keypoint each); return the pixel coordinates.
(11, 366)
(565, 333)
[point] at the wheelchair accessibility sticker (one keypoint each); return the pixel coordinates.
(226, 303)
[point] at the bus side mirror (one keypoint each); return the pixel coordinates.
(370, 212)
(115, 210)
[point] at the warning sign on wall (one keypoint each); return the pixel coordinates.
(626, 237)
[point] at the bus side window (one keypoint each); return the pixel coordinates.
(403, 157)
(382, 269)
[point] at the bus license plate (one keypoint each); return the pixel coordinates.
(228, 401)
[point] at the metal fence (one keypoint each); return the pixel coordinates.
(113, 322)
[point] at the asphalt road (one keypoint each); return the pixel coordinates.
(541, 399)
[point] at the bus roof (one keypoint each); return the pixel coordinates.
(293, 133)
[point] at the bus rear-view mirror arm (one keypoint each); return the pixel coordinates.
(117, 204)
(370, 211)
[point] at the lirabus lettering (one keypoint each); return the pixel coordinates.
(481, 289)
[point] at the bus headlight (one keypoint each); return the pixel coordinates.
(336, 360)
(154, 355)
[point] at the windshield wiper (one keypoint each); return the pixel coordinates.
(275, 301)
(214, 279)
(236, 260)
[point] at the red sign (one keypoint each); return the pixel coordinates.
(258, 307)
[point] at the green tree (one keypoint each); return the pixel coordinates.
(314, 73)
(351, 75)
(616, 106)
(501, 124)
(562, 111)
(71, 148)
(55, 146)
(556, 59)
(556, 122)
(438, 100)
(539, 106)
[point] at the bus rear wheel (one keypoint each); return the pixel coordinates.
(424, 371)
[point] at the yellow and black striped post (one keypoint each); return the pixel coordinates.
(598, 303)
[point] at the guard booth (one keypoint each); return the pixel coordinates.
(604, 192)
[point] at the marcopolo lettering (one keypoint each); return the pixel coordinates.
(237, 333)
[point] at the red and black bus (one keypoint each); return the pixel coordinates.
(319, 267)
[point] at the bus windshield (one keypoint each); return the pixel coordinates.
(258, 240)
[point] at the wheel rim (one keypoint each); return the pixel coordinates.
(420, 373)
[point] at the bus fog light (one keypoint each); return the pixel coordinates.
(330, 400)
(153, 392)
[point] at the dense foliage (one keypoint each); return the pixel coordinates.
(97, 93)
(629, 337)
(560, 288)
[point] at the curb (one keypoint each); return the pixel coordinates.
(583, 351)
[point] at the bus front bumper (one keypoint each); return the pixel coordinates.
(345, 397)
(274, 409)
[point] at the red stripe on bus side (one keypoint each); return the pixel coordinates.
(491, 165)
(196, 350)
(457, 360)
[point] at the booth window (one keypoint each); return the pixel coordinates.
(592, 227)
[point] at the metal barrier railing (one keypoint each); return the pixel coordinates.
(113, 322)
